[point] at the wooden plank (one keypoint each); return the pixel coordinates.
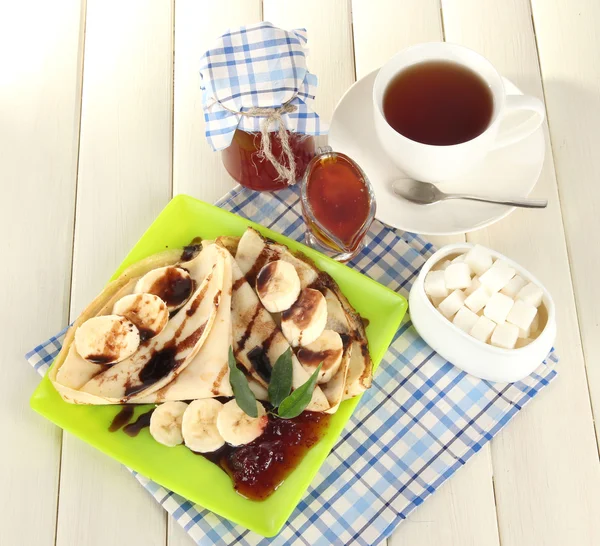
(39, 133)
(542, 496)
(197, 170)
(449, 516)
(382, 29)
(124, 182)
(461, 512)
(568, 42)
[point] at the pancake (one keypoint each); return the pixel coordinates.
(207, 375)
(161, 359)
(258, 341)
(253, 252)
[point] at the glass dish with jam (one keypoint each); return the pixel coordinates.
(338, 205)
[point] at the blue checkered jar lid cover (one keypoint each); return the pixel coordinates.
(254, 78)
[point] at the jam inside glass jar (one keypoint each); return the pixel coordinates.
(244, 164)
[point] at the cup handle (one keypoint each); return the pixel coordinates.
(527, 127)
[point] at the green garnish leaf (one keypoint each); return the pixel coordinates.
(280, 385)
(241, 390)
(296, 402)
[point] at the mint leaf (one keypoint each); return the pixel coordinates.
(241, 390)
(296, 402)
(280, 385)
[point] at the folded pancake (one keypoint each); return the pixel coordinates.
(258, 341)
(207, 375)
(334, 389)
(161, 359)
(337, 321)
(69, 374)
(253, 252)
(360, 371)
(260, 391)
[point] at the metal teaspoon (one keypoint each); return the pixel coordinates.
(425, 193)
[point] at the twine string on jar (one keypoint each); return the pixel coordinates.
(271, 116)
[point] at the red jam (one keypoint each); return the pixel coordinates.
(338, 197)
(258, 468)
(243, 163)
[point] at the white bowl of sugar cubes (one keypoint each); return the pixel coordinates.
(483, 312)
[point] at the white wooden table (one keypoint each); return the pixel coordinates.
(101, 123)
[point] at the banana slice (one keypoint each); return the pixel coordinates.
(278, 286)
(305, 321)
(171, 284)
(147, 311)
(107, 339)
(200, 426)
(236, 427)
(165, 423)
(328, 349)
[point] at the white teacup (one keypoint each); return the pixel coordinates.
(431, 163)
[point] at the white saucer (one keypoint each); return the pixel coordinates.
(510, 171)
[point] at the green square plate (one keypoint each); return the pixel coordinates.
(178, 469)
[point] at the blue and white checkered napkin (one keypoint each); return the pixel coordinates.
(257, 66)
(418, 424)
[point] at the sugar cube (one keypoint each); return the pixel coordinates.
(457, 275)
(452, 304)
(522, 342)
(497, 276)
(435, 284)
(479, 259)
(459, 258)
(533, 328)
(524, 334)
(531, 294)
(498, 307)
(436, 301)
(475, 284)
(535, 325)
(505, 335)
(478, 299)
(482, 329)
(465, 319)
(522, 314)
(441, 265)
(513, 286)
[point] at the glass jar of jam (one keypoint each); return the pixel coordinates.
(244, 163)
(338, 204)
